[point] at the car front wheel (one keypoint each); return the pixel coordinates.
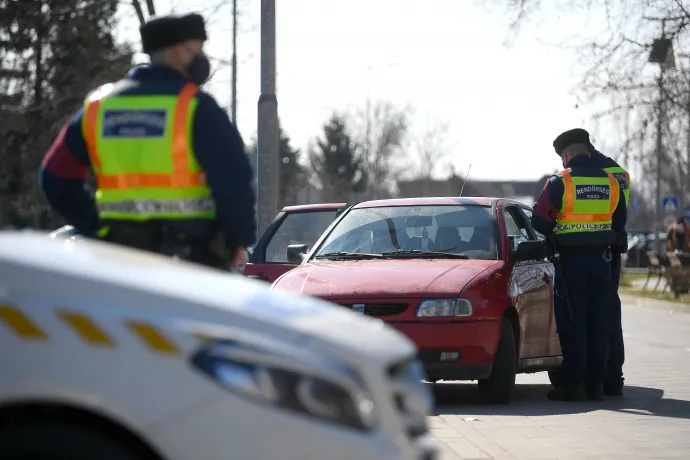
(54, 441)
(498, 388)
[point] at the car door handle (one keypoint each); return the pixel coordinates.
(261, 278)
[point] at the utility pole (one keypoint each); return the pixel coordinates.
(686, 175)
(662, 54)
(234, 62)
(686, 182)
(267, 129)
(659, 154)
(368, 136)
(626, 153)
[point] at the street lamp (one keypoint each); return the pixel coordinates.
(662, 54)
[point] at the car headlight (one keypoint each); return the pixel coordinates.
(329, 393)
(445, 307)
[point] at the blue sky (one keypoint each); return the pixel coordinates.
(447, 59)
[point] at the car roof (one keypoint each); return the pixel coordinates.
(314, 207)
(433, 201)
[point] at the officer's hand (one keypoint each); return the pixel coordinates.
(240, 260)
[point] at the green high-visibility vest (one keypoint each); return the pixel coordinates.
(141, 151)
(588, 204)
(623, 180)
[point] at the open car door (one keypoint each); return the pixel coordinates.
(302, 224)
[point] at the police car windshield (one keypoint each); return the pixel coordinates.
(440, 231)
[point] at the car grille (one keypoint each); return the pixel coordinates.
(411, 396)
(378, 309)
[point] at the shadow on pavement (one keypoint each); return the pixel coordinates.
(530, 400)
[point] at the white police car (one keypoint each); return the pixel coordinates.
(115, 354)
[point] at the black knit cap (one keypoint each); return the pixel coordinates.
(165, 31)
(574, 136)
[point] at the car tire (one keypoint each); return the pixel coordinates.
(498, 388)
(556, 377)
(54, 441)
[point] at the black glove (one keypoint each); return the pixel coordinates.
(621, 244)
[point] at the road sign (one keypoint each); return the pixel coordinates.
(636, 204)
(670, 205)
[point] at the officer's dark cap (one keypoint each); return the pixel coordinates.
(163, 32)
(574, 136)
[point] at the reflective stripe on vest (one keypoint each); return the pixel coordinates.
(144, 164)
(623, 179)
(591, 213)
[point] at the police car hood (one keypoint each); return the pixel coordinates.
(183, 295)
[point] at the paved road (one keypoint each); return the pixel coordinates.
(652, 420)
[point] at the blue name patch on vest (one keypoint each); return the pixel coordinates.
(592, 192)
(134, 123)
(622, 180)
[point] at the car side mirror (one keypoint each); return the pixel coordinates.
(529, 250)
(296, 253)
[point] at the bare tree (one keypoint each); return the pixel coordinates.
(381, 132)
(433, 147)
(640, 98)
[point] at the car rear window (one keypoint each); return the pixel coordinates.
(458, 229)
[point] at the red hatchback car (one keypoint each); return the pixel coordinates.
(465, 278)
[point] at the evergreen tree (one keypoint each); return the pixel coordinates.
(52, 53)
(335, 162)
(291, 173)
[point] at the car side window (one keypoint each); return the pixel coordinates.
(528, 217)
(298, 228)
(516, 227)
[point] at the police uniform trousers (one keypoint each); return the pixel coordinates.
(614, 366)
(584, 337)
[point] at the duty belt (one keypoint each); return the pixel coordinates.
(159, 206)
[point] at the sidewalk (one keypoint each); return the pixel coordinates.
(652, 420)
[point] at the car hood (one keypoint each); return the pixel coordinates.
(378, 278)
(116, 281)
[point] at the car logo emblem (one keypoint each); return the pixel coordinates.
(359, 308)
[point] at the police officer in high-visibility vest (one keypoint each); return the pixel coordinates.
(584, 207)
(171, 169)
(613, 380)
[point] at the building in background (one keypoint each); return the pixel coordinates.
(524, 191)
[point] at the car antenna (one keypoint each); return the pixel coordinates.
(466, 176)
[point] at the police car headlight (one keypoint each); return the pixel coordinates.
(334, 395)
(444, 308)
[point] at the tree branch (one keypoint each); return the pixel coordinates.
(140, 12)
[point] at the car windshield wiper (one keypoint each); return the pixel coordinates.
(348, 255)
(423, 253)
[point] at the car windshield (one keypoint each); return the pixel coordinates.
(442, 231)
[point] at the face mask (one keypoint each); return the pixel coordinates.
(199, 69)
